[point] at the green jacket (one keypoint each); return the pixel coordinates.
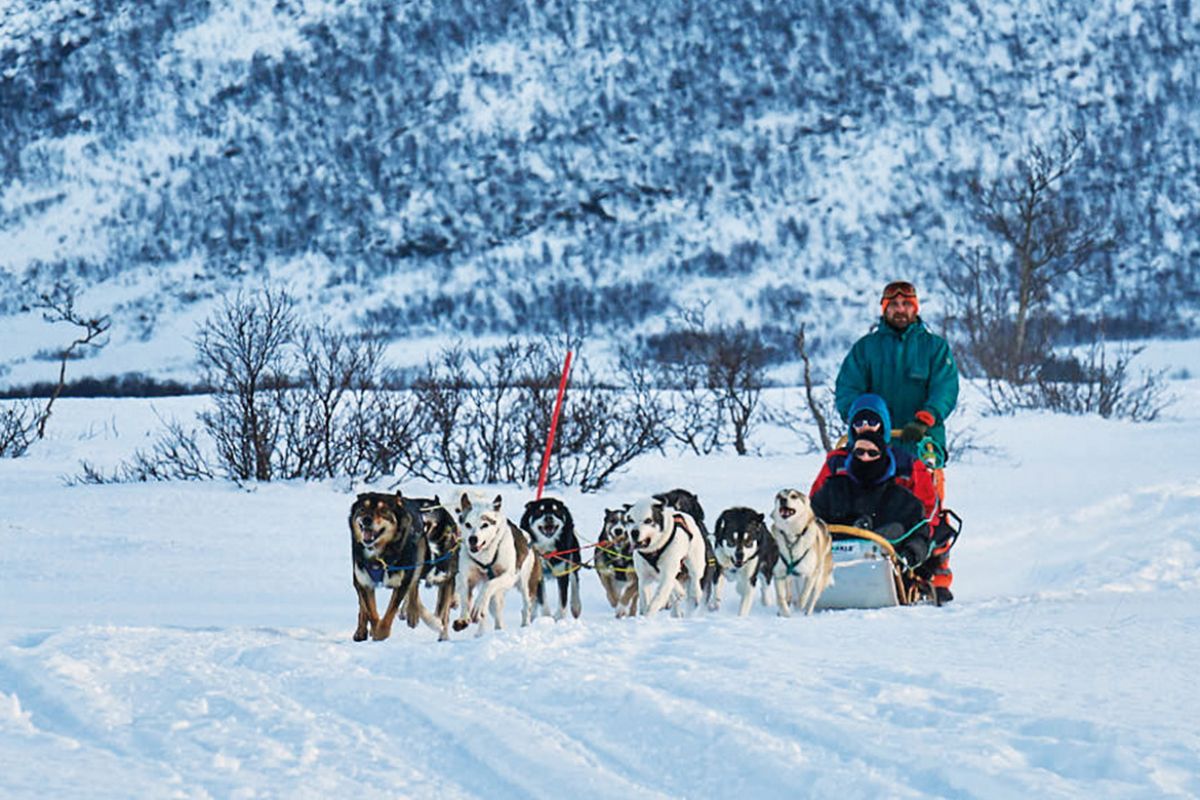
(911, 370)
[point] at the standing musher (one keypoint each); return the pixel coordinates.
(913, 370)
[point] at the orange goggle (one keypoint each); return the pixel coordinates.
(899, 289)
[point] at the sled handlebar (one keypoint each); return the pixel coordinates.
(863, 533)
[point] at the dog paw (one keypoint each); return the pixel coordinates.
(460, 624)
(360, 635)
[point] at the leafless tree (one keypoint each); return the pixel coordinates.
(736, 376)
(1045, 234)
(58, 305)
(814, 407)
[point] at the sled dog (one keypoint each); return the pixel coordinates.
(551, 527)
(614, 562)
(442, 545)
(668, 546)
(387, 548)
(805, 565)
(745, 552)
(496, 557)
(689, 503)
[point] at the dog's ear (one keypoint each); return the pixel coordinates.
(531, 503)
(758, 515)
(499, 501)
(464, 502)
(437, 501)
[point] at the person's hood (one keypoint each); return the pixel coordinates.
(872, 402)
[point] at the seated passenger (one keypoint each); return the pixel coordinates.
(870, 413)
(863, 493)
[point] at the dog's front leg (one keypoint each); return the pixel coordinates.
(576, 604)
(765, 589)
(666, 586)
(782, 584)
(714, 603)
(463, 586)
(383, 628)
(368, 616)
(498, 600)
(746, 590)
(610, 590)
(564, 586)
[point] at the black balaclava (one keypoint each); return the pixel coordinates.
(869, 473)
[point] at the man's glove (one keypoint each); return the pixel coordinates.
(913, 551)
(915, 431)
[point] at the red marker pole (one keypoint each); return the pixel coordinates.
(562, 387)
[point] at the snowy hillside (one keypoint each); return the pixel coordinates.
(193, 641)
(474, 168)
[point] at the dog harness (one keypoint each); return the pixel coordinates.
(379, 567)
(653, 557)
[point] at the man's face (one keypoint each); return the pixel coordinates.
(900, 312)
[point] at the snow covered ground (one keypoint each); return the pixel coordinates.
(193, 640)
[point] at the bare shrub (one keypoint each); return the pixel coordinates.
(243, 350)
(716, 375)
(176, 455)
(18, 427)
(1105, 387)
(603, 428)
(338, 374)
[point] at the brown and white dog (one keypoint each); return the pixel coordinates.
(496, 557)
(668, 546)
(387, 548)
(614, 562)
(805, 565)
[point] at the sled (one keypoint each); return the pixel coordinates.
(867, 574)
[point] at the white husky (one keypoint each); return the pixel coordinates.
(495, 555)
(805, 565)
(665, 541)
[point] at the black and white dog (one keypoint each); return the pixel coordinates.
(689, 503)
(745, 552)
(496, 557)
(614, 562)
(668, 546)
(552, 530)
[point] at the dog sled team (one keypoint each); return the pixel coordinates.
(652, 554)
(874, 517)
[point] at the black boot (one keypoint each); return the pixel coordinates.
(944, 595)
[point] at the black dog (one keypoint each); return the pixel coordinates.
(551, 529)
(387, 548)
(442, 541)
(745, 551)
